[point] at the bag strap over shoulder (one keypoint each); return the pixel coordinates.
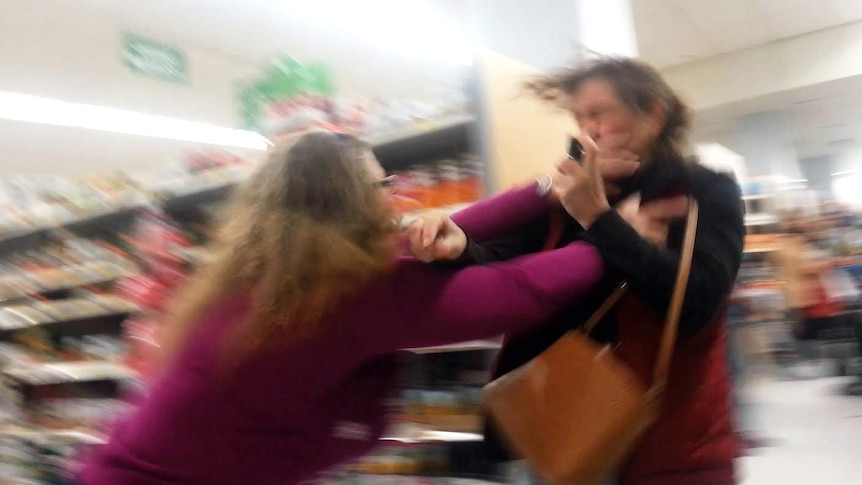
(671, 325)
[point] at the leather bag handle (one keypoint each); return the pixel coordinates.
(671, 326)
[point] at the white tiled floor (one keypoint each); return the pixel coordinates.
(818, 435)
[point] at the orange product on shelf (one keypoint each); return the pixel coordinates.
(448, 187)
(423, 186)
(405, 187)
(761, 242)
(471, 187)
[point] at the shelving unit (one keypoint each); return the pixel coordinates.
(69, 372)
(447, 138)
(461, 347)
(91, 324)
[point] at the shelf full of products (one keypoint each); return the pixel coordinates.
(78, 297)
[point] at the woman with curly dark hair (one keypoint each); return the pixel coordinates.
(638, 124)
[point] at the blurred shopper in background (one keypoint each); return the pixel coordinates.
(279, 355)
(639, 124)
(823, 295)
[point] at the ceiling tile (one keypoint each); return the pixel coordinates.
(666, 36)
(673, 31)
(806, 19)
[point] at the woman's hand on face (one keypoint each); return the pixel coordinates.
(580, 187)
(651, 220)
(435, 237)
(615, 165)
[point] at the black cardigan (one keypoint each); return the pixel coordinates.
(650, 269)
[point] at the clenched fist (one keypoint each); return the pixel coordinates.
(434, 237)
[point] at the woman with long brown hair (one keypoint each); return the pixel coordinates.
(279, 353)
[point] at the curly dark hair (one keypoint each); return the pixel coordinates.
(637, 84)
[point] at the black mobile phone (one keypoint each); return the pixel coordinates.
(576, 150)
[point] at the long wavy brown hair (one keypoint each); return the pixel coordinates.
(308, 227)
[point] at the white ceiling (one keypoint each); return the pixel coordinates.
(824, 119)
(677, 31)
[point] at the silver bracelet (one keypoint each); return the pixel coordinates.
(544, 185)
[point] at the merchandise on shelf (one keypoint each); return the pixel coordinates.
(28, 204)
(36, 346)
(40, 312)
(196, 171)
(291, 96)
(440, 184)
(161, 246)
(67, 263)
(76, 375)
(454, 409)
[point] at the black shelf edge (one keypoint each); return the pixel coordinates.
(446, 140)
(188, 207)
(23, 241)
(36, 237)
(395, 152)
(62, 288)
(94, 324)
(104, 220)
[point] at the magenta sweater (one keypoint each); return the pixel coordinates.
(295, 413)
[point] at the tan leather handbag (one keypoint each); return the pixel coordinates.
(576, 411)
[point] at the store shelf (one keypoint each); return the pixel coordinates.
(460, 347)
(72, 435)
(181, 204)
(760, 219)
(760, 250)
(107, 322)
(111, 219)
(29, 238)
(414, 434)
(67, 372)
(758, 197)
(108, 219)
(64, 287)
(440, 139)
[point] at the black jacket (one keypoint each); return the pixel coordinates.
(649, 269)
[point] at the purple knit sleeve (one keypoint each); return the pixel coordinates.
(497, 215)
(436, 306)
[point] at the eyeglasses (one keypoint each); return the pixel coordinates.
(386, 182)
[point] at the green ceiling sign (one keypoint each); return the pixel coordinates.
(153, 59)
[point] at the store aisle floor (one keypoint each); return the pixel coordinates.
(818, 434)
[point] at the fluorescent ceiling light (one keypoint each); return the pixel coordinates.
(846, 189)
(847, 172)
(23, 107)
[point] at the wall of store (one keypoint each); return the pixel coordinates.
(72, 51)
(764, 142)
(526, 138)
(818, 171)
(67, 53)
(840, 175)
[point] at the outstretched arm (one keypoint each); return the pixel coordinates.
(438, 305)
